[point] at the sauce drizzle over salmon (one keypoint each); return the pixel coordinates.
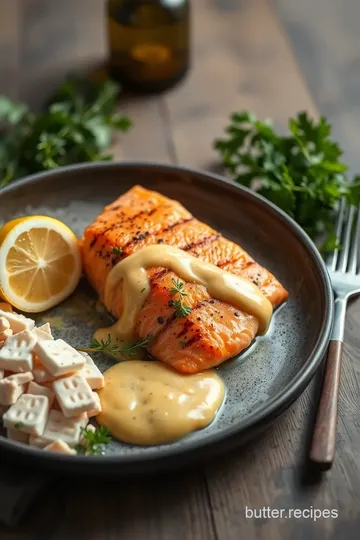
(214, 331)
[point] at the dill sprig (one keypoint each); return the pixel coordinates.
(93, 442)
(113, 349)
(181, 310)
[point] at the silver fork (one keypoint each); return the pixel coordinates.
(343, 266)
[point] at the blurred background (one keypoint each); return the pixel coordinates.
(271, 56)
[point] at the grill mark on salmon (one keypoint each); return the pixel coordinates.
(213, 331)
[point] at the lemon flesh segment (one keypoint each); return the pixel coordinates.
(40, 263)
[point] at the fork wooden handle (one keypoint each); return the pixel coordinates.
(324, 435)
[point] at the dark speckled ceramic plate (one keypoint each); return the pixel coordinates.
(260, 383)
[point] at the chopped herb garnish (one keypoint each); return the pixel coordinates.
(93, 442)
(181, 310)
(113, 349)
(142, 290)
(117, 251)
(182, 343)
(19, 425)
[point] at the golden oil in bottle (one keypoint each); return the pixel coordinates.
(149, 42)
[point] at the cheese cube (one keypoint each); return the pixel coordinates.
(18, 322)
(60, 427)
(96, 410)
(58, 357)
(61, 447)
(10, 391)
(29, 414)
(43, 332)
(74, 395)
(16, 355)
(91, 373)
(38, 390)
(16, 435)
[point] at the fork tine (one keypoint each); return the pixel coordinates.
(338, 228)
(345, 247)
(354, 256)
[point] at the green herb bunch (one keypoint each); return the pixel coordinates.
(301, 172)
(75, 127)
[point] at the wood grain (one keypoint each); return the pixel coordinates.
(10, 45)
(242, 60)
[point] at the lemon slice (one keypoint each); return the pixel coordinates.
(40, 263)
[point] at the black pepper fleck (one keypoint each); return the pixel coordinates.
(161, 320)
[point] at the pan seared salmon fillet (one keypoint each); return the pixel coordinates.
(213, 331)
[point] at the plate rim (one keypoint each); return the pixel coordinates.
(262, 415)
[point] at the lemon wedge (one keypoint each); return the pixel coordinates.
(40, 263)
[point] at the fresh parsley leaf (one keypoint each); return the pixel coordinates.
(19, 425)
(117, 251)
(75, 127)
(301, 172)
(93, 442)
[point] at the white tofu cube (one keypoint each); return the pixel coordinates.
(5, 330)
(60, 427)
(10, 391)
(29, 414)
(58, 357)
(43, 332)
(16, 354)
(91, 373)
(74, 395)
(39, 442)
(39, 390)
(42, 375)
(4, 324)
(18, 322)
(61, 447)
(16, 435)
(96, 410)
(21, 378)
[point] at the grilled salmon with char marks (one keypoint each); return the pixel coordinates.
(213, 331)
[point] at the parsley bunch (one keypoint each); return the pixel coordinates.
(301, 172)
(75, 127)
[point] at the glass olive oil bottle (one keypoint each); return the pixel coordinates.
(149, 42)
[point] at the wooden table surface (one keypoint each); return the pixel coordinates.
(273, 58)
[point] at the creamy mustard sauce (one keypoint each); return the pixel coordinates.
(148, 403)
(219, 283)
